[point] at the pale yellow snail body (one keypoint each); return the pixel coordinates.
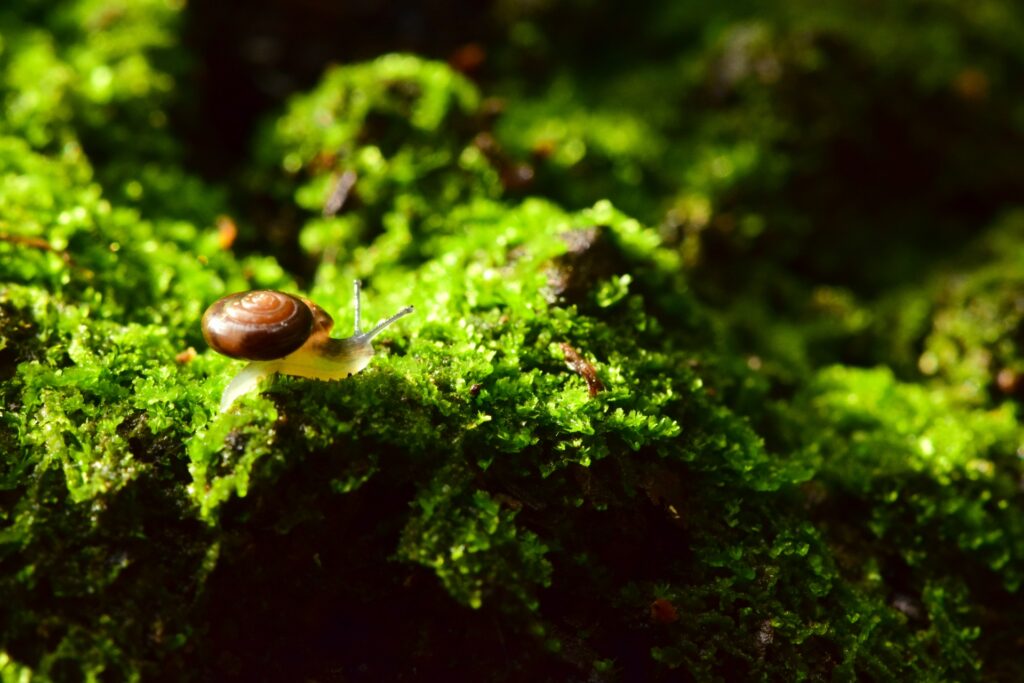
(281, 333)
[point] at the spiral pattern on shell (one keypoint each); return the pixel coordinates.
(259, 325)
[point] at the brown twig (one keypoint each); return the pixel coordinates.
(339, 195)
(36, 243)
(583, 368)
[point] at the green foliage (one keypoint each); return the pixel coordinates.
(936, 477)
(744, 445)
(404, 126)
(473, 544)
(13, 672)
(972, 344)
(100, 75)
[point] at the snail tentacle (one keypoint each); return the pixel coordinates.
(379, 327)
(357, 285)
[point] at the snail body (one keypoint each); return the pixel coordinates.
(282, 333)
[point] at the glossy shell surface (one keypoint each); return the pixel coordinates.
(258, 325)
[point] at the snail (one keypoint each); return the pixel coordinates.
(278, 332)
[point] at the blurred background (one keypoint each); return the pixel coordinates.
(822, 160)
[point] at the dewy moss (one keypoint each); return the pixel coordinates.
(479, 500)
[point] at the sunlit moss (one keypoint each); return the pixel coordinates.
(661, 448)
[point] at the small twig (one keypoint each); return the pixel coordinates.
(36, 243)
(339, 195)
(583, 368)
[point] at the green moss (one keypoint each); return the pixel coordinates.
(972, 343)
(404, 126)
(473, 544)
(91, 69)
(910, 452)
(597, 449)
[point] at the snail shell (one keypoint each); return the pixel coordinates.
(262, 324)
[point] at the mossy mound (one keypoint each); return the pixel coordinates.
(714, 449)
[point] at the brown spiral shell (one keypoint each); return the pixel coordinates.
(259, 325)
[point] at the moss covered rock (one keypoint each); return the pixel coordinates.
(705, 444)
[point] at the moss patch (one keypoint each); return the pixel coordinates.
(666, 409)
